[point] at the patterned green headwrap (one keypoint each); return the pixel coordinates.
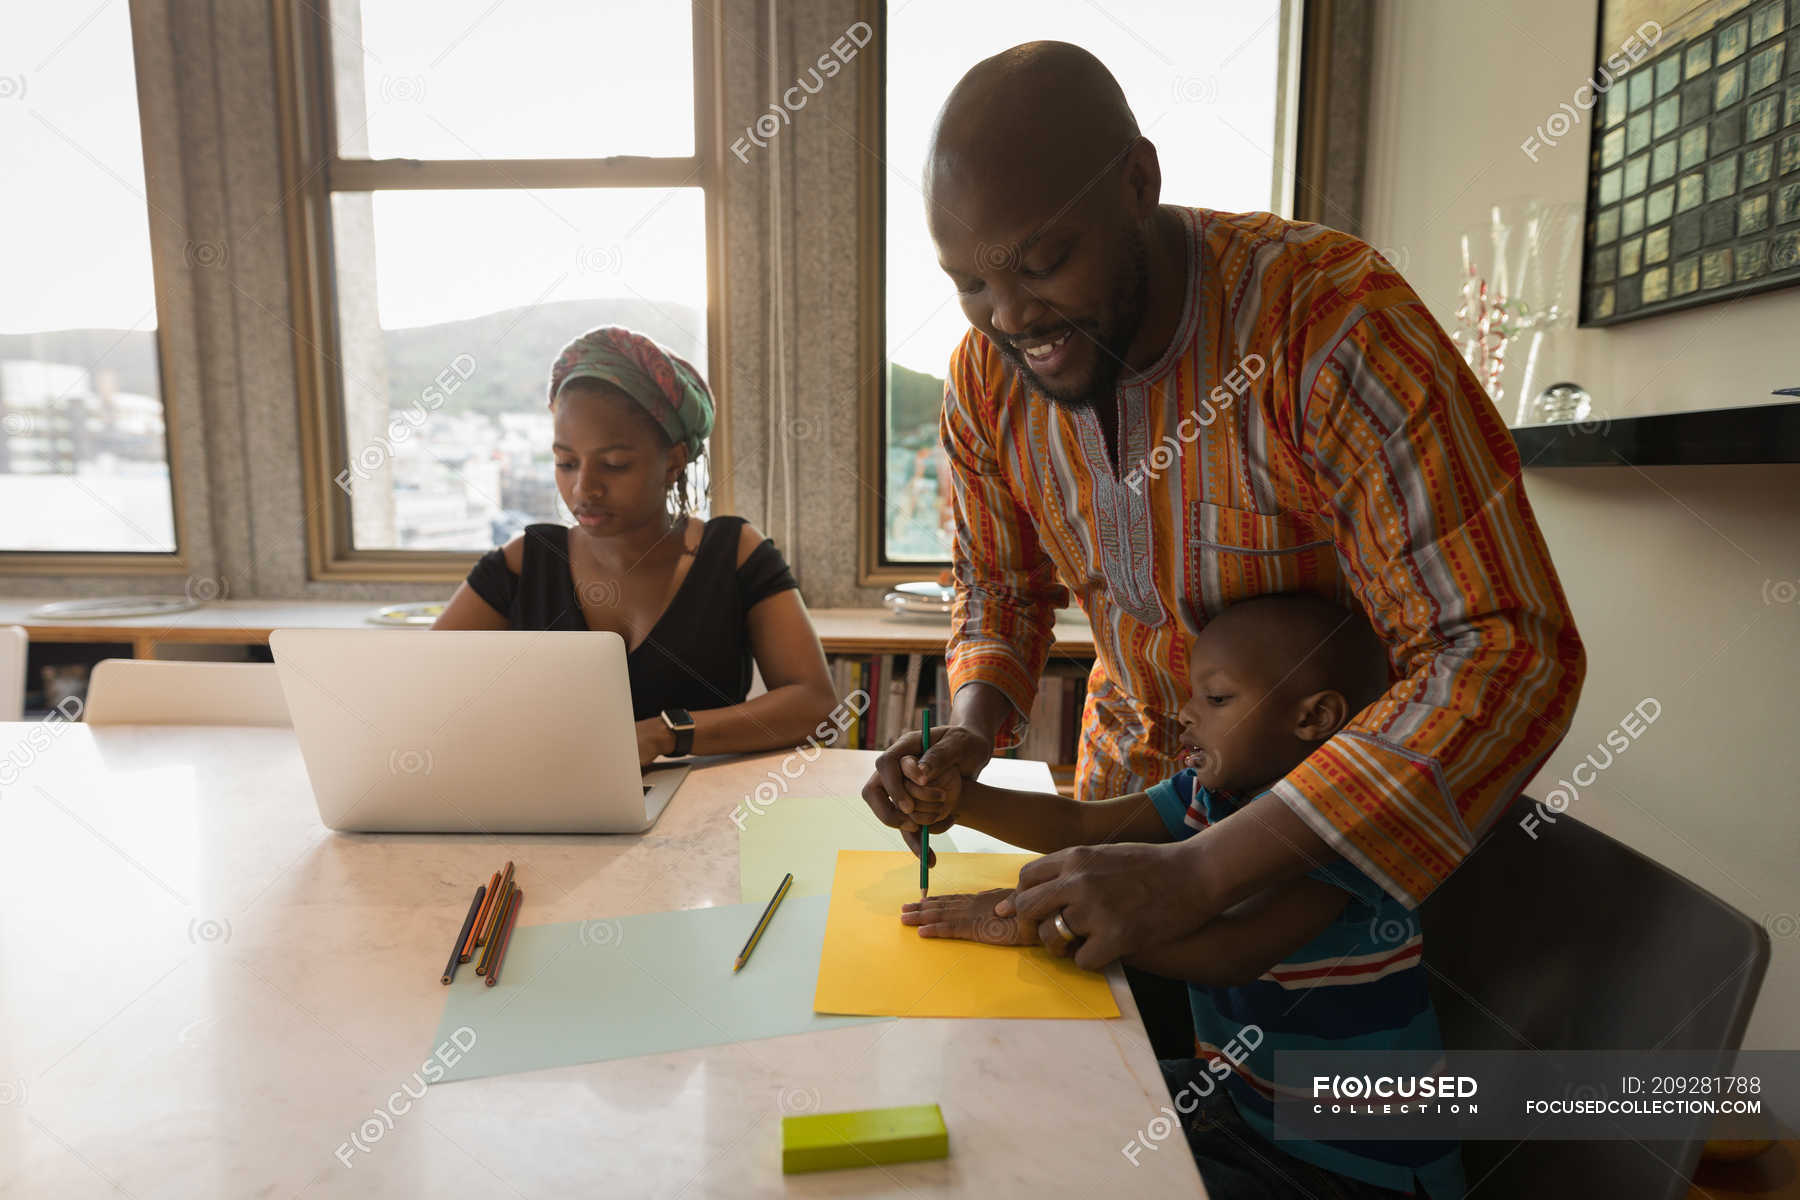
(664, 385)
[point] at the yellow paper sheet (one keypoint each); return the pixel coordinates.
(872, 965)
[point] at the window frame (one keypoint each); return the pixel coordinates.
(312, 171)
(1301, 76)
(178, 562)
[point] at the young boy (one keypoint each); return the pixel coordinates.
(1326, 961)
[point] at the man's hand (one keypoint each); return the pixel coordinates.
(970, 917)
(1116, 899)
(910, 789)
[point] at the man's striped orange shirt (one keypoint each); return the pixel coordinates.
(1362, 461)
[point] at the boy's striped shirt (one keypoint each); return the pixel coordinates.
(1359, 985)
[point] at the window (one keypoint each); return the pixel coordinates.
(477, 190)
(84, 458)
(1205, 82)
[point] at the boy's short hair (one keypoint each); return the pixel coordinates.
(1318, 644)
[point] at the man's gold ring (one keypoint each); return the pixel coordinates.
(1069, 936)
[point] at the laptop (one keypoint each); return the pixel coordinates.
(409, 731)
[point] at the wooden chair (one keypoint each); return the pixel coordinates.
(13, 647)
(144, 691)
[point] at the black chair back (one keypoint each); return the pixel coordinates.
(1571, 941)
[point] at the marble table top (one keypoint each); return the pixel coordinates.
(205, 993)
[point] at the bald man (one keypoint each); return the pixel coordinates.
(1166, 410)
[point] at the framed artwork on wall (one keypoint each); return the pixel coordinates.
(1694, 157)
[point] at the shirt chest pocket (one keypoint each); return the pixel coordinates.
(1232, 554)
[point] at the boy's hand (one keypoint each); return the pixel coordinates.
(970, 917)
(928, 802)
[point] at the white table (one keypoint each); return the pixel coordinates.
(204, 993)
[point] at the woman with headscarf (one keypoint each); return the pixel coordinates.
(695, 601)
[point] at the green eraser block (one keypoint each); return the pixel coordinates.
(829, 1141)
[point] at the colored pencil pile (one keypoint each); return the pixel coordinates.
(488, 927)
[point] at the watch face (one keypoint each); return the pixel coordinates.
(678, 718)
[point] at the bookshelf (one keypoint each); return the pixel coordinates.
(899, 663)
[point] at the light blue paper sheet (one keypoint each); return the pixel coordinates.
(588, 991)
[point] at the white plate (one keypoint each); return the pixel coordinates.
(424, 612)
(926, 590)
(902, 605)
(111, 607)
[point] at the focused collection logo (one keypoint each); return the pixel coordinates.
(1390, 1094)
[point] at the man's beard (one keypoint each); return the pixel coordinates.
(1130, 298)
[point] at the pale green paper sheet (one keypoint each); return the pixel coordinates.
(803, 834)
(587, 991)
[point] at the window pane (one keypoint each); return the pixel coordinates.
(547, 79)
(83, 457)
(1201, 80)
(452, 306)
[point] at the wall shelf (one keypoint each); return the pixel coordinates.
(1763, 433)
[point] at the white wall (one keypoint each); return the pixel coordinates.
(1682, 579)
(1458, 86)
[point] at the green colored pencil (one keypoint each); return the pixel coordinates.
(925, 830)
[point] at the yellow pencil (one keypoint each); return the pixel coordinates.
(486, 957)
(497, 907)
(743, 957)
